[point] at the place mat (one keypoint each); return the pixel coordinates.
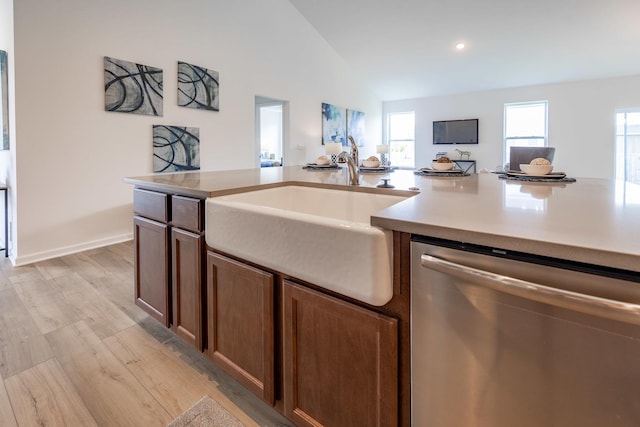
(314, 167)
(388, 169)
(529, 175)
(206, 413)
(535, 179)
(447, 174)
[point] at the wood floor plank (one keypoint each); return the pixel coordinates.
(119, 289)
(35, 289)
(6, 262)
(44, 396)
(111, 261)
(46, 305)
(83, 265)
(6, 412)
(111, 280)
(99, 313)
(73, 283)
(4, 280)
(52, 268)
(123, 250)
(112, 394)
(161, 371)
(22, 274)
(22, 346)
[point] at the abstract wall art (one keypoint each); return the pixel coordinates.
(132, 88)
(198, 87)
(334, 124)
(176, 148)
(355, 126)
(4, 100)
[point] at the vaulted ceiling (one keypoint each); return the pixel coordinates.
(406, 48)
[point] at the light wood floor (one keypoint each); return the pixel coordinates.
(76, 351)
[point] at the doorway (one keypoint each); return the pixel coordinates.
(627, 152)
(270, 118)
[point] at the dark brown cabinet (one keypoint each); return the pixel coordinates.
(152, 260)
(241, 323)
(318, 358)
(187, 256)
(187, 286)
(151, 240)
(340, 361)
(169, 253)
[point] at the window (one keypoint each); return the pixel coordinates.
(401, 131)
(525, 125)
(628, 146)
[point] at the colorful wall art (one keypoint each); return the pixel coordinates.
(198, 87)
(355, 126)
(334, 124)
(132, 88)
(176, 148)
(4, 100)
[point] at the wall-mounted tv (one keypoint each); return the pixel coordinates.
(455, 131)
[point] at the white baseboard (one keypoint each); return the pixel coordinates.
(68, 250)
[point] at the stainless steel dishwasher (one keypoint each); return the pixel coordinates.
(503, 339)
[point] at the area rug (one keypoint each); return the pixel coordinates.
(206, 413)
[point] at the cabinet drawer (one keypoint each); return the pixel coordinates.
(151, 204)
(187, 213)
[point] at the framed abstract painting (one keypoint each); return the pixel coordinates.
(355, 126)
(4, 100)
(176, 148)
(198, 87)
(132, 88)
(334, 124)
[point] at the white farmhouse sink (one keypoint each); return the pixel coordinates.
(317, 235)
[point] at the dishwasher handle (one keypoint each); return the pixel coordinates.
(589, 304)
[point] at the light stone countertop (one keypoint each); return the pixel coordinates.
(593, 221)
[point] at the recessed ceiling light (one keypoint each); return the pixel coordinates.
(460, 46)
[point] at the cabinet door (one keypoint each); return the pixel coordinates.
(187, 284)
(240, 313)
(340, 362)
(151, 242)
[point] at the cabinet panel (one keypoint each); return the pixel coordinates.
(187, 286)
(240, 323)
(340, 362)
(151, 204)
(152, 268)
(187, 213)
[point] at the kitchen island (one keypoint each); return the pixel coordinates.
(590, 222)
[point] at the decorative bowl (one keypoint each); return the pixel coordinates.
(442, 166)
(322, 160)
(536, 169)
(371, 163)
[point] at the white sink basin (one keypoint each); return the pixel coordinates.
(317, 235)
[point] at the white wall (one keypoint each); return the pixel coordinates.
(72, 155)
(581, 122)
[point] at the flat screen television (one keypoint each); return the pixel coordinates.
(455, 131)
